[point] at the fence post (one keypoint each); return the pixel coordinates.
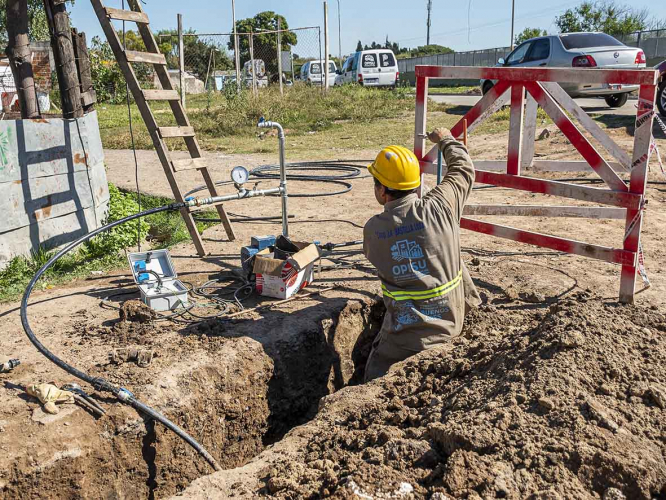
(326, 48)
(252, 64)
(638, 39)
(454, 58)
(279, 55)
(236, 54)
(319, 28)
(181, 59)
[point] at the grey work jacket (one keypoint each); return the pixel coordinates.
(415, 246)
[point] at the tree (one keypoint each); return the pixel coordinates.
(359, 46)
(427, 50)
(265, 44)
(38, 26)
(528, 33)
(603, 15)
(201, 55)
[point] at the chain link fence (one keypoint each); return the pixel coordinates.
(652, 42)
(210, 63)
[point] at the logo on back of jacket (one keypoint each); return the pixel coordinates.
(411, 261)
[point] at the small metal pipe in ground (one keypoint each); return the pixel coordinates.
(283, 172)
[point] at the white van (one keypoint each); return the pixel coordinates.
(371, 68)
(311, 72)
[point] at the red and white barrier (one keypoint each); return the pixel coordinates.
(542, 90)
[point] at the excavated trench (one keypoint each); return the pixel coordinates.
(236, 388)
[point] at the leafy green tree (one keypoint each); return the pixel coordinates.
(528, 33)
(603, 15)
(427, 50)
(359, 46)
(201, 55)
(39, 28)
(265, 44)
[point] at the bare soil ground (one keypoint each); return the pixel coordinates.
(554, 391)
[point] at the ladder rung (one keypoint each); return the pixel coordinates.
(161, 95)
(127, 15)
(176, 132)
(188, 164)
(145, 57)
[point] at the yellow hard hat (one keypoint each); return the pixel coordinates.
(396, 167)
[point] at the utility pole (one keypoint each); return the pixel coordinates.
(428, 23)
(279, 55)
(339, 36)
(236, 54)
(513, 18)
(326, 47)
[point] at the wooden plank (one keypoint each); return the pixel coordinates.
(569, 166)
(513, 162)
(88, 98)
(555, 188)
(160, 95)
(638, 184)
(623, 76)
(546, 211)
(529, 132)
(485, 107)
(134, 56)
(188, 164)
(226, 223)
(572, 133)
(176, 132)
(613, 255)
(588, 123)
(126, 15)
(430, 167)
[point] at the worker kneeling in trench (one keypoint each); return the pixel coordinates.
(415, 246)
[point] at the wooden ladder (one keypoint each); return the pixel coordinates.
(167, 93)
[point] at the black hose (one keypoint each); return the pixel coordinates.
(101, 384)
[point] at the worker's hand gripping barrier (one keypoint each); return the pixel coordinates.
(526, 89)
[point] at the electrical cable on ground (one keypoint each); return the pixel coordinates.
(99, 383)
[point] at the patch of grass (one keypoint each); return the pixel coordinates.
(166, 228)
(227, 122)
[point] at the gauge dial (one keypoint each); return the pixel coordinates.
(240, 175)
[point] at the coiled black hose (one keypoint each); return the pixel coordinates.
(101, 384)
(350, 169)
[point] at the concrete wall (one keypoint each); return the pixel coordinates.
(53, 186)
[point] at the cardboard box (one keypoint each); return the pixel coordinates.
(281, 279)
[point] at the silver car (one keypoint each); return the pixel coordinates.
(579, 50)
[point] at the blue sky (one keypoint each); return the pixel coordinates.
(462, 25)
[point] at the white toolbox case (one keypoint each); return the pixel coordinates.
(172, 295)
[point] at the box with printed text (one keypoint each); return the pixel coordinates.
(282, 278)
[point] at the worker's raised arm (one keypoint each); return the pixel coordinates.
(456, 185)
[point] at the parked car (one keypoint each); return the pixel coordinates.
(311, 72)
(661, 92)
(578, 50)
(371, 68)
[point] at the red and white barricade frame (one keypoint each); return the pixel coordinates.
(527, 89)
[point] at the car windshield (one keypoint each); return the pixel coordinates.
(587, 40)
(315, 68)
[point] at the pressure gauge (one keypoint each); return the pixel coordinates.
(240, 175)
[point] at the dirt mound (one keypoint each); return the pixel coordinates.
(136, 311)
(566, 402)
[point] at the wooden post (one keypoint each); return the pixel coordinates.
(63, 52)
(181, 59)
(18, 50)
(236, 52)
(279, 56)
(88, 97)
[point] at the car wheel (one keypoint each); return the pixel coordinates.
(617, 100)
(486, 87)
(661, 98)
